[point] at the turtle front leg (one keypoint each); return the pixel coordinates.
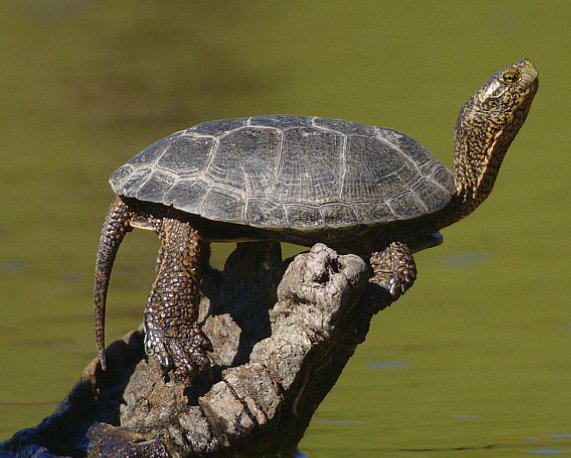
(172, 334)
(394, 272)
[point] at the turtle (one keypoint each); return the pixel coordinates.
(367, 190)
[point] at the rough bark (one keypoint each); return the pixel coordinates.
(282, 331)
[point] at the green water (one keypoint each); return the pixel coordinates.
(481, 346)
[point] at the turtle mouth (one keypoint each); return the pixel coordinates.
(529, 74)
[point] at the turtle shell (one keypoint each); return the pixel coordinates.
(281, 172)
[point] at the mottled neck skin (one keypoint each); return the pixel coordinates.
(486, 127)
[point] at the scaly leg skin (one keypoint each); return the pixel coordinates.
(172, 334)
(394, 272)
(114, 229)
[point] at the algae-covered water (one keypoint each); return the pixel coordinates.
(474, 361)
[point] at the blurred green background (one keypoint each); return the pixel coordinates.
(474, 361)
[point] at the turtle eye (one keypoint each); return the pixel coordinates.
(510, 77)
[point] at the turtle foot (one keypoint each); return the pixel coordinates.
(394, 272)
(183, 351)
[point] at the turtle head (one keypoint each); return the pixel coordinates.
(487, 124)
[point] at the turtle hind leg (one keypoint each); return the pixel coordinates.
(394, 272)
(172, 333)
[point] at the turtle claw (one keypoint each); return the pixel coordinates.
(378, 294)
(185, 353)
(190, 351)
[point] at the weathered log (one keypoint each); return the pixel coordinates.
(282, 333)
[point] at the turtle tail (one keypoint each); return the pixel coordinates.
(115, 227)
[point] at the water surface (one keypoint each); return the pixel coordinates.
(484, 331)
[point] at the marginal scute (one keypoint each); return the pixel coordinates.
(302, 216)
(369, 213)
(337, 214)
(261, 213)
(130, 186)
(120, 176)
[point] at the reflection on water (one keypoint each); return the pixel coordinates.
(299, 454)
(549, 451)
(11, 266)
